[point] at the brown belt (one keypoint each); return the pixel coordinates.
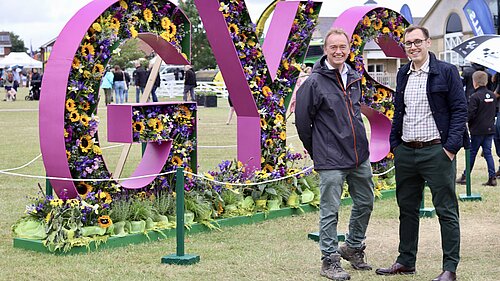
(421, 144)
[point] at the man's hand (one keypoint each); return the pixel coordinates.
(450, 155)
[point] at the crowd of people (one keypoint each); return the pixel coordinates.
(13, 77)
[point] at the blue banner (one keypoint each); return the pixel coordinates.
(406, 12)
(479, 16)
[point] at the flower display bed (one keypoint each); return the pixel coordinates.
(115, 241)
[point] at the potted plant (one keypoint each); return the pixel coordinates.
(210, 99)
(120, 212)
(200, 99)
(140, 211)
(163, 206)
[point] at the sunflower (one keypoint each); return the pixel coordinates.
(84, 118)
(189, 170)
(115, 24)
(263, 123)
(377, 98)
(86, 143)
(104, 196)
(83, 189)
(165, 35)
(268, 168)
(73, 202)
(269, 142)
(176, 160)
(97, 27)
(386, 30)
(148, 15)
(283, 135)
(382, 92)
(70, 105)
(87, 49)
(390, 155)
(279, 118)
(266, 91)
(378, 24)
(367, 22)
(233, 29)
(133, 32)
(74, 116)
(165, 23)
(389, 113)
(76, 63)
(138, 126)
(356, 40)
(86, 74)
(104, 221)
(123, 4)
(158, 127)
(85, 105)
(397, 33)
(98, 68)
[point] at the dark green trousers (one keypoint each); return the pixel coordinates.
(414, 167)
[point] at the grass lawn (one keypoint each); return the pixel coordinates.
(272, 250)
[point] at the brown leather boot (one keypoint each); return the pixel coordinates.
(491, 182)
(461, 180)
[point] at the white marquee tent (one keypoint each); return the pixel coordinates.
(20, 59)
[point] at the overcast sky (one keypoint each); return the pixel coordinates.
(39, 21)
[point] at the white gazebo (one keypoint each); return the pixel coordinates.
(19, 59)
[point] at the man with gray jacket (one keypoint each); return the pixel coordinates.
(329, 123)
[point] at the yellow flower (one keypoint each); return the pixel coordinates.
(389, 113)
(70, 105)
(285, 64)
(378, 24)
(98, 68)
(123, 4)
(76, 63)
(85, 105)
(115, 24)
(138, 126)
(269, 142)
(84, 119)
(356, 40)
(283, 135)
(352, 56)
(377, 98)
(148, 15)
(209, 176)
(397, 33)
(68, 154)
(74, 116)
(279, 118)
(48, 217)
(133, 32)
(86, 143)
(97, 27)
(233, 28)
(268, 168)
(366, 21)
(386, 30)
(165, 22)
(390, 155)
(155, 124)
(363, 80)
(86, 74)
(266, 91)
(83, 189)
(97, 150)
(382, 93)
(263, 123)
(87, 49)
(104, 196)
(56, 202)
(104, 221)
(176, 160)
(73, 202)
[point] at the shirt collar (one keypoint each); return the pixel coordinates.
(424, 67)
(344, 69)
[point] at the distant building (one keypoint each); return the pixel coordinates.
(5, 44)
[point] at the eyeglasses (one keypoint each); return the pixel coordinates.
(417, 43)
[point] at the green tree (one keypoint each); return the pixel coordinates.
(129, 52)
(17, 43)
(201, 52)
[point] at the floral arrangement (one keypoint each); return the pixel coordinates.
(270, 97)
(119, 22)
(376, 23)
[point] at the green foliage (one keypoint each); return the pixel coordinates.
(201, 54)
(120, 210)
(17, 43)
(129, 52)
(140, 209)
(164, 204)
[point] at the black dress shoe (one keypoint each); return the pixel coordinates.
(396, 268)
(446, 276)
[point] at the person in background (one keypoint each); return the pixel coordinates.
(119, 84)
(127, 85)
(10, 93)
(140, 79)
(481, 119)
(330, 126)
(35, 82)
(156, 84)
(17, 77)
(231, 111)
(302, 77)
(427, 132)
(107, 85)
(189, 83)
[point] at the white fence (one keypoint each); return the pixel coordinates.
(386, 79)
(175, 88)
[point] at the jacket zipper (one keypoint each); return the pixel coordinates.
(349, 111)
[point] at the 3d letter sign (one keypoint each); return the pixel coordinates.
(259, 79)
(70, 92)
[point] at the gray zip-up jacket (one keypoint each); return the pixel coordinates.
(328, 119)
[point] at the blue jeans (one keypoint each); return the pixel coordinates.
(119, 91)
(483, 141)
(138, 92)
(153, 94)
(360, 183)
(497, 134)
(190, 89)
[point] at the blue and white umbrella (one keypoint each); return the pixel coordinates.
(483, 50)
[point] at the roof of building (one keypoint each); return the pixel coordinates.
(5, 40)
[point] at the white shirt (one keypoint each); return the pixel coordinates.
(418, 121)
(343, 74)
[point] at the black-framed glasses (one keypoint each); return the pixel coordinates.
(417, 43)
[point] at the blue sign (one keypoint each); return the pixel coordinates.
(406, 12)
(479, 16)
